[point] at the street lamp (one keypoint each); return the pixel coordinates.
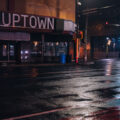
(78, 4)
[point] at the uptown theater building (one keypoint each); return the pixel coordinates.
(36, 30)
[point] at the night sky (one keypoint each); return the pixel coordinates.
(101, 3)
(112, 15)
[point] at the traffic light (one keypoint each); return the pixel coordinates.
(80, 34)
(106, 22)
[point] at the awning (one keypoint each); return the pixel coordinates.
(14, 36)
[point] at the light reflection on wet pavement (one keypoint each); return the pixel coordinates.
(90, 92)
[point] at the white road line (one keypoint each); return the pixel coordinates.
(37, 114)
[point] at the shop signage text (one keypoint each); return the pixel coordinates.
(26, 21)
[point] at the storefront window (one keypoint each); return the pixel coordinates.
(55, 48)
(35, 43)
(11, 50)
(4, 50)
(37, 48)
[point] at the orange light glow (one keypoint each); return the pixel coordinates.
(5, 46)
(88, 46)
(35, 43)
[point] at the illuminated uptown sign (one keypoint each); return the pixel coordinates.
(26, 21)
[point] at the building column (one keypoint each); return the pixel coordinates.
(68, 59)
(43, 46)
(77, 49)
(10, 5)
(86, 39)
(18, 52)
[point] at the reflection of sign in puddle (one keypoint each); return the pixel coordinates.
(107, 114)
(37, 114)
(73, 118)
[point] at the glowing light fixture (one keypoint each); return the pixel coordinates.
(79, 3)
(109, 42)
(35, 43)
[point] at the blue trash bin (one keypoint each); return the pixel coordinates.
(63, 58)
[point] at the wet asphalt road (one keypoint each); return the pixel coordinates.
(75, 92)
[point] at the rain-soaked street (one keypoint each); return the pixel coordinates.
(70, 92)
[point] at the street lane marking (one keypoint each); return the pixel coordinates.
(92, 115)
(37, 114)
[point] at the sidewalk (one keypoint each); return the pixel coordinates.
(34, 64)
(13, 64)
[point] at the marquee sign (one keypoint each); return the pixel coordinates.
(26, 21)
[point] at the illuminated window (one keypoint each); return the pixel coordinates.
(35, 43)
(11, 50)
(4, 50)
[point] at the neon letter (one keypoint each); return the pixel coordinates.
(35, 22)
(50, 23)
(42, 23)
(25, 18)
(9, 19)
(16, 19)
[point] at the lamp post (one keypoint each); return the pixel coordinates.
(86, 39)
(77, 40)
(78, 4)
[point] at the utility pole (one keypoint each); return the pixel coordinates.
(77, 39)
(86, 39)
(77, 28)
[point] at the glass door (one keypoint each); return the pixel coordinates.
(7, 52)
(11, 55)
(4, 55)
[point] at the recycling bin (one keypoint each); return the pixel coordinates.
(63, 58)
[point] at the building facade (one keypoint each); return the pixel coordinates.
(36, 30)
